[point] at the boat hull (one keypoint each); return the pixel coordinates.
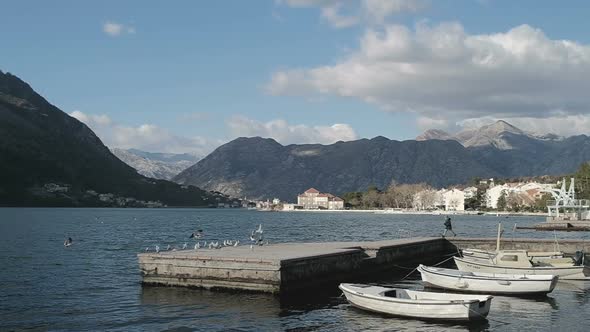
(488, 282)
(426, 310)
(564, 273)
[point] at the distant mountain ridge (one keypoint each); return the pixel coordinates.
(262, 168)
(48, 158)
(156, 165)
(488, 135)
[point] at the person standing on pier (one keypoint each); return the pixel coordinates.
(448, 227)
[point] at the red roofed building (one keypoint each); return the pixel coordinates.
(313, 199)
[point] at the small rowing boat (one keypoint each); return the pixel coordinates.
(516, 284)
(417, 304)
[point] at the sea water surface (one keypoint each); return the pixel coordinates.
(95, 284)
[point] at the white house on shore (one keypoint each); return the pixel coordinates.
(313, 199)
(450, 199)
(470, 192)
(527, 193)
(454, 200)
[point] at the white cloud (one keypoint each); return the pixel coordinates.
(443, 72)
(116, 29)
(564, 125)
(378, 10)
(425, 123)
(369, 11)
(336, 19)
(286, 133)
(146, 137)
(92, 120)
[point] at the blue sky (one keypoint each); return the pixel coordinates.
(186, 76)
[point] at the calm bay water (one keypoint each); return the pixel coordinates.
(95, 284)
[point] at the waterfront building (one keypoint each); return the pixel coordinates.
(470, 192)
(454, 200)
(524, 194)
(313, 199)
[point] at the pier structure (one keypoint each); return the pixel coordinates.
(565, 208)
(292, 267)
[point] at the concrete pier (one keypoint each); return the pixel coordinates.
(285, 267)
(289, 267)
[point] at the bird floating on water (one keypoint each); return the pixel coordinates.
(196, 235)
(68, 242)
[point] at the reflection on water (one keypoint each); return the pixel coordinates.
(95, 284)
(215, 310)
(579, 288)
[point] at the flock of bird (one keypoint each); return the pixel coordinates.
(256, 237)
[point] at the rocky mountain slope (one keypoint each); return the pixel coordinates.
(156, 165)
(262, 168)
(48, 158)
(257, 167)
(501, 135)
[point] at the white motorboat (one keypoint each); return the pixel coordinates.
(517, 262)
(517, 284)
(523, 262)
(533, 255)
(417, 304)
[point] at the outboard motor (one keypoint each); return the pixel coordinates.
(579, 258)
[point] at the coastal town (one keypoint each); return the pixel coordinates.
(486, 195)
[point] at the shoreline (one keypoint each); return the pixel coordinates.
(435, 213)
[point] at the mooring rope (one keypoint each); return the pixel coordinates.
(437, 264)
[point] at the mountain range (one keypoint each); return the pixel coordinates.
(498, 134)
(262, 168)
(48, 158)
(154, 164)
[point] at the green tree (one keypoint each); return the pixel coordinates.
(353, 200)
(540, 204)
(472, 203)
(502, 201)
(582, 184)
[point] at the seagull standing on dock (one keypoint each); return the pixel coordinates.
(168, 248)
(157, 249)
(184, 246)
